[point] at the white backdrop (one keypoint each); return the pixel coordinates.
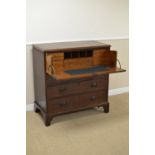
(62, 20)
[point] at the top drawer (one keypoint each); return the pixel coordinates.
(62, 90)
(77, 87)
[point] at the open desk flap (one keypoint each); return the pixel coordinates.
(82, 63)
(87, 72)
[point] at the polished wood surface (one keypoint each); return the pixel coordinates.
(59, 92)
(72, 88)
(72, 103)
(39, 78)
(67, 46)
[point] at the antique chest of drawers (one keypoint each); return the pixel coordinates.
(72, 76)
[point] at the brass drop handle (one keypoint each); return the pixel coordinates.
(63, 103)
(93, 98)
(94, 84)
(62, 89)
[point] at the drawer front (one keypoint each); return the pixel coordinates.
(91, 99)
(77, 87)
(61, 105)
(77, 102)
(62, 90)
(93, 85)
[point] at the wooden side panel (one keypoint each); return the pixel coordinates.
(104, 57)
(39, 78)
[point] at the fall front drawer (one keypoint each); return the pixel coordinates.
(73, 88)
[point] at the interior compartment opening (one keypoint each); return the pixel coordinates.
(78, 54)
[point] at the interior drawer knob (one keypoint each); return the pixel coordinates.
(62, 89)
(94, 84)
(93, 98)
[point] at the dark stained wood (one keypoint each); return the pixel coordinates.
(77, 87)
(106, 107)
(72, 103)
(62, 105)
(53, 82)
(46, 117)
(39, 78)
(91, 99)
(57, 92)
(68, 46)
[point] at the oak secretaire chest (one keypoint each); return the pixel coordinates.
(72, 76)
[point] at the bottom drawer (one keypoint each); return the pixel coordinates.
(61, 105)
(91, 99)
(77, 102)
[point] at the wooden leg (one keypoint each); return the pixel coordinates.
(46, 117)
(47, 120)
(106, 107)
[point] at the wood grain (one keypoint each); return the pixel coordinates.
(105, 58)
(70, 46)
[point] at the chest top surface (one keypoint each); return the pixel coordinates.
(59, 46)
